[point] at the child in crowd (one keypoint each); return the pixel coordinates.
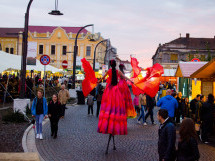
(90, 104)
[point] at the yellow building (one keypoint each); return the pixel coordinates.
(57, 42)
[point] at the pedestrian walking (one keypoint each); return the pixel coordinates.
(167, 137)
(63, 97)
(159, 91)
(39, 110)
(179, 110)
(187, 145)
(150, 103)
(186, 107)
(207, 117)
(90, 103)
(54, 113)
(113, 116)
(142, 106)
(198, 113)
(99, 100)
(136, 104)
(169, 103)
(193, 106)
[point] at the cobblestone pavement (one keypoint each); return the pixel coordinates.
(78, 140)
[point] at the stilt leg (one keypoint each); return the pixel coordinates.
(108, 143)
(114, 146)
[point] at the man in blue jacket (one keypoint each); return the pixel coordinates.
(39, 110)
(169, 103)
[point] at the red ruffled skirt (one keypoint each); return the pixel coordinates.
(112, 117)
(130, 110)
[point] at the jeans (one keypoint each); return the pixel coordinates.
(63, 109)
(90, 108)
(142, 115)
(98, 108)
(54, 125)
(158, 96)
(206, 129)
(150, 112)
(39, 120)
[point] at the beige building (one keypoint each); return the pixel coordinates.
(57, 42)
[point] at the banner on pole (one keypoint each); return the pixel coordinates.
(32, 53)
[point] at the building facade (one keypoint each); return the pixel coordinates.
(184, 49)
(57, 42)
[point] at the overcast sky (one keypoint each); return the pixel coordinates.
(133, 26)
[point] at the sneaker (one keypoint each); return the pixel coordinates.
(37, 136)
(55, 137)
(41, 137)
(144, 123)
(138, 122)
(153, 123)
(206, 142)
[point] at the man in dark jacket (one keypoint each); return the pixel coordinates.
(150, 103)
(167, 137)
(193, 105)
(207, 117)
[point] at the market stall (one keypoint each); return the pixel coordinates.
(186, 85)
(13, 62)
(207, 76)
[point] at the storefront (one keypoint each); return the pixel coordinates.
(169, 76)
(186, 85)
(207, 76)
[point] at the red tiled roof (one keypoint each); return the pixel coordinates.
(38, 29)
(195, 43)
(44, 29)
(13, 32)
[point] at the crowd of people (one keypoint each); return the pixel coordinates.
(10, 85)
(113, 110)
(55, 109)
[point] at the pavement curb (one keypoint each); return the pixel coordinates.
(25, 143)
(24, 138)
(27, 134)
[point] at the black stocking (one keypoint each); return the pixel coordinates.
(114, 147)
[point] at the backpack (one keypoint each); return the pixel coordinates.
(90, 100)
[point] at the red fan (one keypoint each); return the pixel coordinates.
(136, 68)
(90, 81)
(150, 83)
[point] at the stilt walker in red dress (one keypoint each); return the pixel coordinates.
(113, 116)
(123, 86)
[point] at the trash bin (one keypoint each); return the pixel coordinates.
(81, 98)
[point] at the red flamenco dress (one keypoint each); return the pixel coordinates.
(131, 113)
(113, 116)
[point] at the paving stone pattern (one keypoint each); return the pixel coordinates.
(78, 140)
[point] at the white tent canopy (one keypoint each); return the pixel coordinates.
(10, 61)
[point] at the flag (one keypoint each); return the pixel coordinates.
(136, 68)
(90, 81)
(150, 83)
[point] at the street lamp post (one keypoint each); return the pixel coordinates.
(75, 54)
(25, 46)
(24, 51)
(111, 49)
(94, 59)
